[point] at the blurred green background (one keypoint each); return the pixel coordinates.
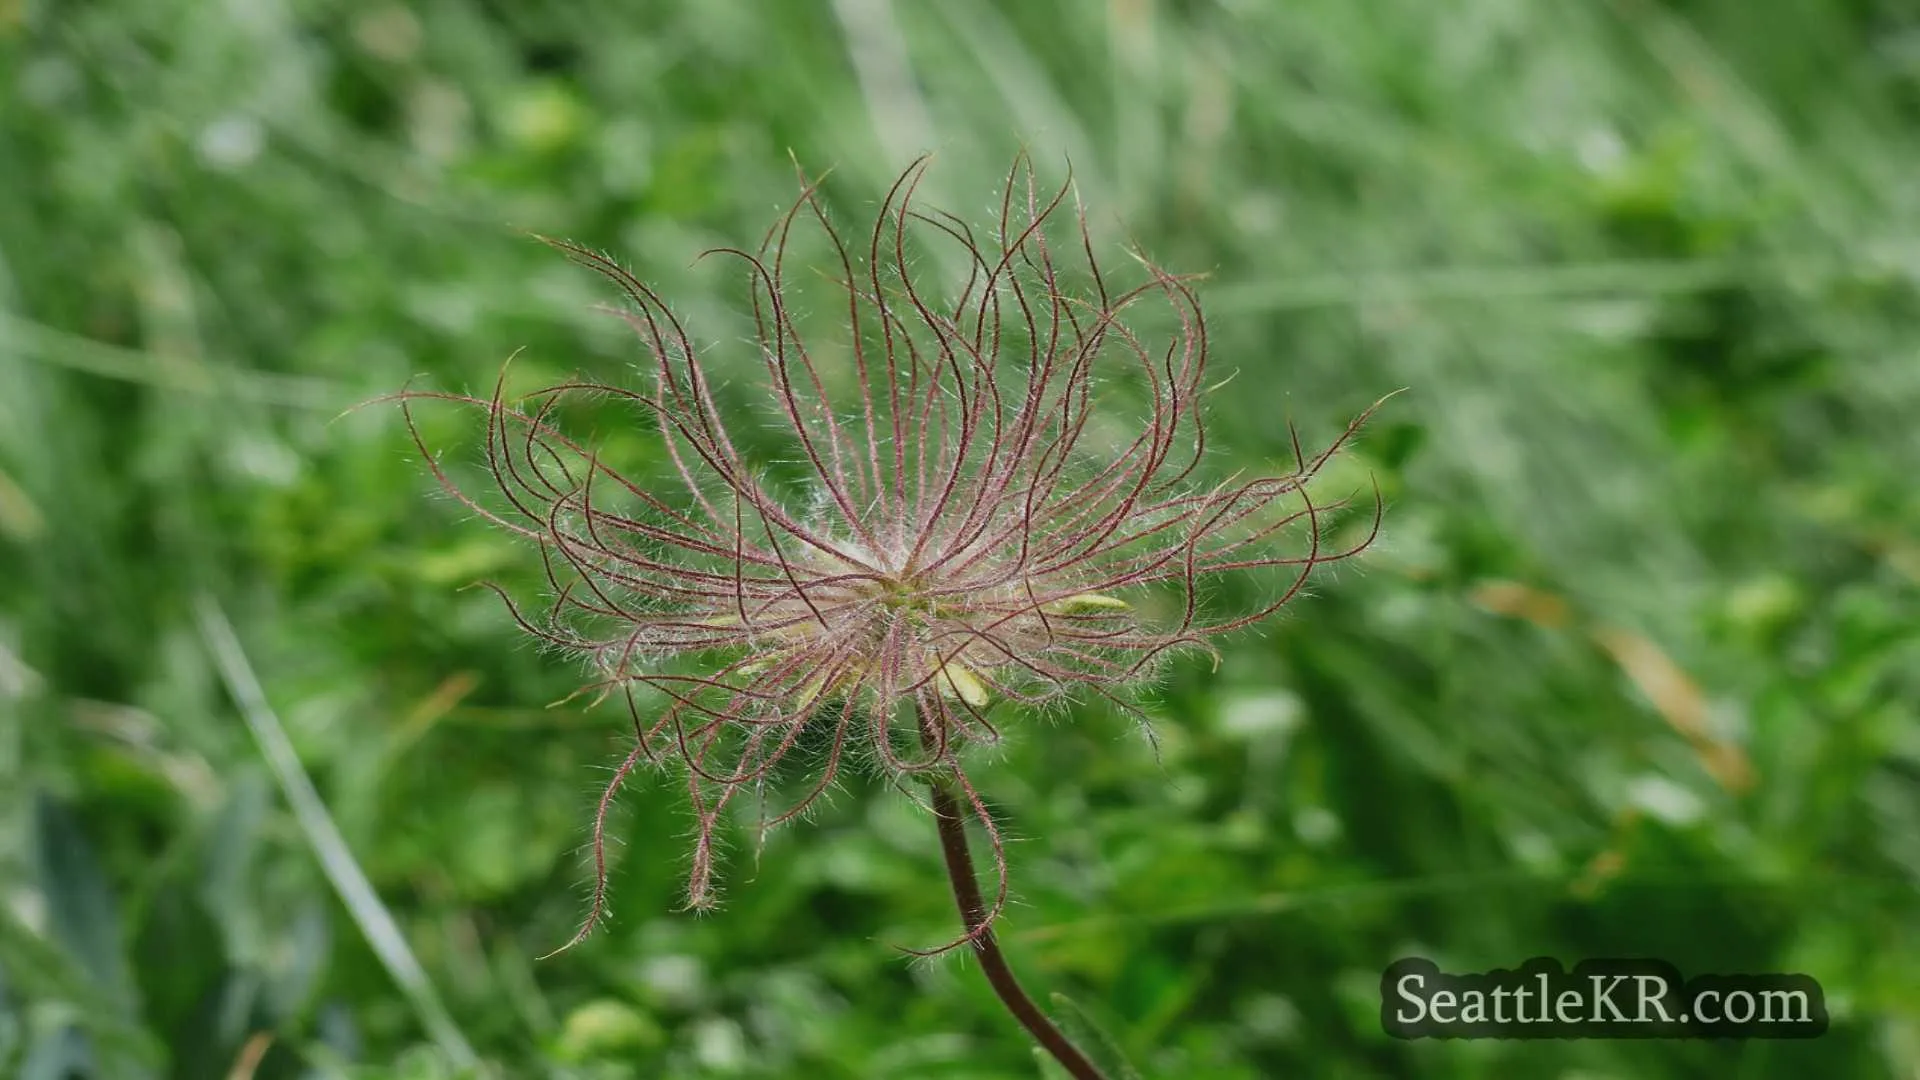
(1632, 672)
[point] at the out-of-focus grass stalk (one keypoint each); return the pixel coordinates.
(323, 836)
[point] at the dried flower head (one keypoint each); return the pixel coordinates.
(994, 472)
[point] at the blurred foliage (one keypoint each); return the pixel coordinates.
(1632, 672)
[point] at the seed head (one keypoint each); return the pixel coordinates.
(999, 472)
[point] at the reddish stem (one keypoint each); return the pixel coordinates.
(973, 912)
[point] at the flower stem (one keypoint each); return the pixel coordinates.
(973, 912)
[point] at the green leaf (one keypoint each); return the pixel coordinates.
(958, 681)
(80, 903)
(1086, 604)
(1092, 1039)
(11, 1026)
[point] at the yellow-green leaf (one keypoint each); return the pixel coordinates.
(810, 691)
(959, 682)
(1086, 603)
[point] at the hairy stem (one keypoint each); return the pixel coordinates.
(973, 912)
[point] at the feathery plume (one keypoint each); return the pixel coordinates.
(973, 530)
